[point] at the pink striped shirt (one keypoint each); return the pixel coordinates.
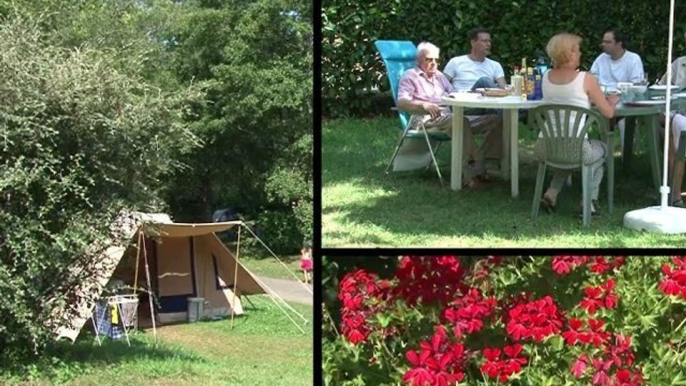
(415, 86)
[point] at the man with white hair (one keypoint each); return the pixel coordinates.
(420, 92)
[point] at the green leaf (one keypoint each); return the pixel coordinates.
(557, 342)
(384, 320)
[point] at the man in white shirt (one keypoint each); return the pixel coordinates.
(475, 69)
(616, 63)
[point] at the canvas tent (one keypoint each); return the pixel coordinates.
(175, 261)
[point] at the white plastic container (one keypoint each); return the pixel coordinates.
(196, 309)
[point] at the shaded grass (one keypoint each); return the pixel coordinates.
(363, 207)
(262, 348)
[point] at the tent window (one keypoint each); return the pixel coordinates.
(218, 281)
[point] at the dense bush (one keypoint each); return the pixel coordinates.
(80, 141)
(351, 67)
(564, 320)
(278, 229)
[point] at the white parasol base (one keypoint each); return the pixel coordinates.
(670, 219)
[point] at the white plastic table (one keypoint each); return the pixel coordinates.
(510, 106)
(647, 116)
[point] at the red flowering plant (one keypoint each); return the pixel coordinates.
(560, 320)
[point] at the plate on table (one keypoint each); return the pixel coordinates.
(662, 87)
(662, 97)
(649, 102)
(497, 92)
(466, 96)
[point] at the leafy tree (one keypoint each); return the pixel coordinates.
(256, 123)
(252, 61)
(80, 141)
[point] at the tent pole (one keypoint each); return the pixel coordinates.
(150, 291)
(292, 309)
(286, 313)
(235, 277)
(277, 258)
(199, 290)
(138, 257)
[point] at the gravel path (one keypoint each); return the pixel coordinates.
(289, 290)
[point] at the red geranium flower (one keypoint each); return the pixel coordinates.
(579, 366)
(425, 279)
(563, 265)
(594, 334)
(674, 283)
(437, 363)
(356, 291)
(599, 297)
(536, 319)
(502, 369)
(599, 264)
(467, 313)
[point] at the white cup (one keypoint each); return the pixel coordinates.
(625, 90)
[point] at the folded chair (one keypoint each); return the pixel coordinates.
(399, 56)
(564, 151)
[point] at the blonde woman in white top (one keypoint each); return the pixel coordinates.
(564, 84)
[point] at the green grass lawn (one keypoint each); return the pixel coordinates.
(267, 265)
(263, 348)
(363, 207)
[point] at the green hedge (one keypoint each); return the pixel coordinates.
(351, 67)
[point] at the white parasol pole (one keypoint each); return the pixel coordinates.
(664, 189)
(663, 218)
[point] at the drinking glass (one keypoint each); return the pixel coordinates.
(644, 80)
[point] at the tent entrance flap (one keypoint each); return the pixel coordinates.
(175, 273)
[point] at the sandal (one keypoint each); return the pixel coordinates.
(547, 204)
(678, 203)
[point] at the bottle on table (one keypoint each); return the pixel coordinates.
(517, 81)
(538, 84)
(530, 84)
(525, 79)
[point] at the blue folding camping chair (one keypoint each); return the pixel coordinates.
(399, 56)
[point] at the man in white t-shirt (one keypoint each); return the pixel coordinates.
(616, 63)
(475, 69)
